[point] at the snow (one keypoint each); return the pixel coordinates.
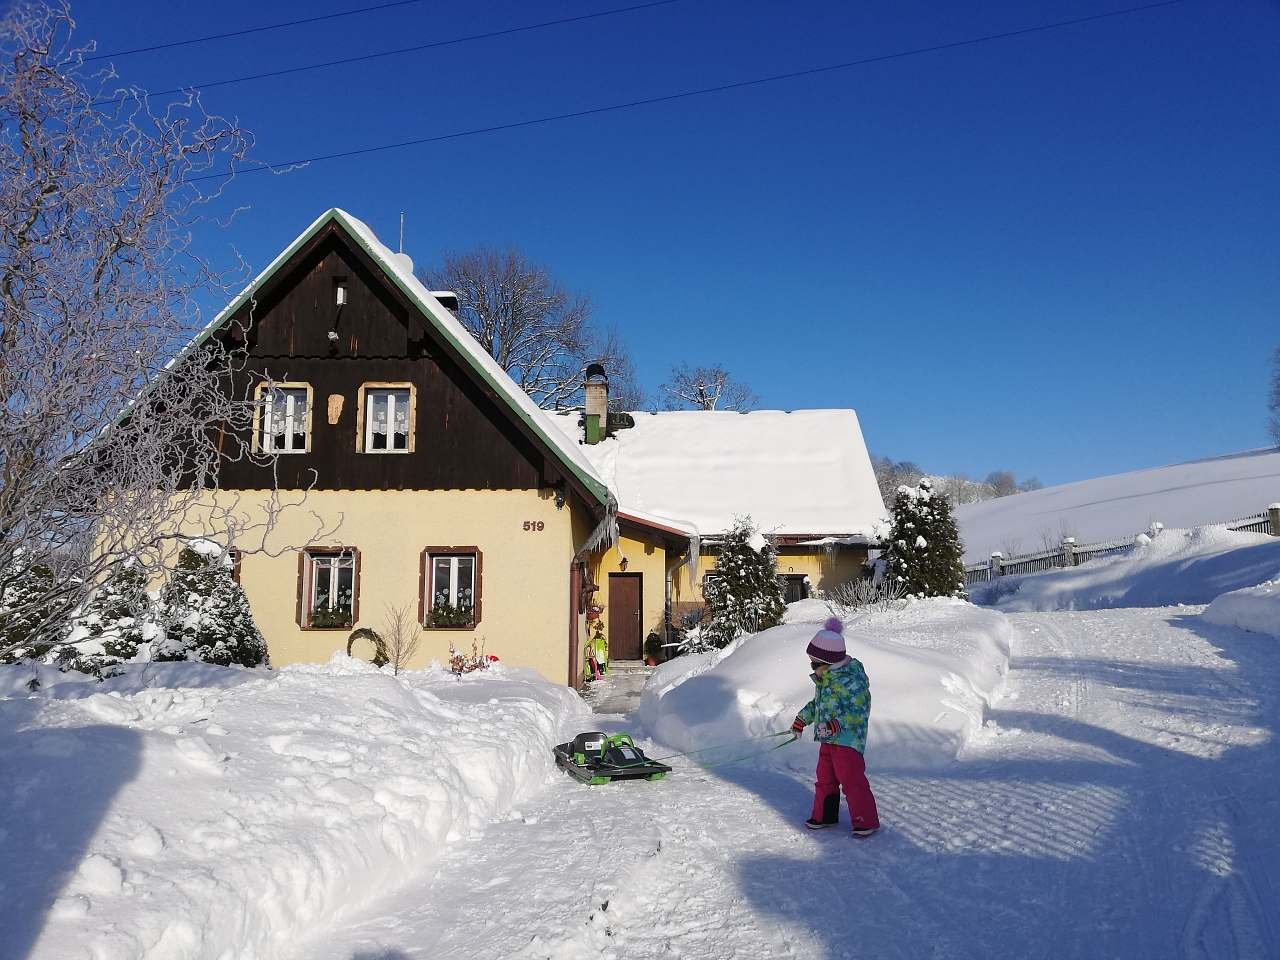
(197, 811)
(1178, 566)
(1256, 609)
(1107, 508)
(704, 468)
(934, 667)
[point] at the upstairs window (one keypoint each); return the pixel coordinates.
(388, 415)
(284, 418)
(329, 588)
(451, 587)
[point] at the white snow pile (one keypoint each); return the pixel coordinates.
(934, 667)
(228, 818)
(1106, 508)
(1253, 608)
(1178, 566)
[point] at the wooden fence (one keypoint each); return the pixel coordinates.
(1071, 554)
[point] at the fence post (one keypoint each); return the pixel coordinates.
(993, 565)
(1068, 551)
(1273, 513)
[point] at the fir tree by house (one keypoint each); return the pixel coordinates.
(25, 614)
(205, 613)
(114, 623)
(923, 551)
(746, 594)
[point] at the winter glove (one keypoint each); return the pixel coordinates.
(828, 729)
(797, 727)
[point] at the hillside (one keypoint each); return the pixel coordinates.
(1181, 495)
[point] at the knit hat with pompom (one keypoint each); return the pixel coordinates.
(827, 644)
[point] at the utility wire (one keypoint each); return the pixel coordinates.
(670, 97)
(400, 50)
(249, 30)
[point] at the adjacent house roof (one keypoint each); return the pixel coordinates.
(802, 474)
(399, 271)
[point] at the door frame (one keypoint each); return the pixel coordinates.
(639, 579)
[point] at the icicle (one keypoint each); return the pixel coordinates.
(605, 535)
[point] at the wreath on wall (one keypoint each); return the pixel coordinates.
(380, 657)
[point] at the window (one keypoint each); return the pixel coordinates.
(329, 588)
(284, 418)
(387, 418)
(451, 587)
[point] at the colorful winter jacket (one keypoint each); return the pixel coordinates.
(844, 695)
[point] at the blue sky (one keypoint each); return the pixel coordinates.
(1056, 253)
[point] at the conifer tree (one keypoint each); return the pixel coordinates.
(25, 616)
(206, 614)
(923, 551)
(112, 626)
(747, 595)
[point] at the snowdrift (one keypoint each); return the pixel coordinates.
(934, 667)
(226, 819)
(1253, 608)
(1178, 566)
(1105, 508)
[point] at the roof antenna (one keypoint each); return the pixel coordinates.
(401, 250)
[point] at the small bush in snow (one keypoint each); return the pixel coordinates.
(206, 614)
(865, 595)
(747, 596)
(26, 611)
(922, 553)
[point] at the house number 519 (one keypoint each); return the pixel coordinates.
(534, 526)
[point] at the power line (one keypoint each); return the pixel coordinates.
(401, 50)
(668, 98)
(249, 30)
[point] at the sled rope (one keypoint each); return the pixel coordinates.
(717, 746)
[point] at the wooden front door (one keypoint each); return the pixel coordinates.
(624, 616)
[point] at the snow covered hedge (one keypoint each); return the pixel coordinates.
(1254, 608)
(934, 667)
(229, 811)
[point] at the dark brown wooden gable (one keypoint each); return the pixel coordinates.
(465, 436)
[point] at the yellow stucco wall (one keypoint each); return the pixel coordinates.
(525, 574)
(825, 570)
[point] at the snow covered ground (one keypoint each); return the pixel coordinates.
(1105, 508)
(1078, 784)
(1178, 566)
(1252, 608)
(228, 817)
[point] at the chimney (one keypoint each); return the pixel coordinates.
(596, 389)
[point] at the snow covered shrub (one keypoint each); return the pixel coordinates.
(865, 595)
(922, 553)
(206, 614)
(746, 596)
(25, 611)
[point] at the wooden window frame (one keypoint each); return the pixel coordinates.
(425, 572)
(303, 611)
(361, 404)
(258, 408)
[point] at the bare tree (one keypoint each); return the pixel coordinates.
(1273, 423)
(705, 388)
(1002, 482)
(540, 333)
(109, 445)
(401, 635)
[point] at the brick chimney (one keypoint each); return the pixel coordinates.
(596, 388)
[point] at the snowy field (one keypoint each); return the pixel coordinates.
(1183, 495)
(1058, 783)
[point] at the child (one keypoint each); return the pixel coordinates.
(840, 708)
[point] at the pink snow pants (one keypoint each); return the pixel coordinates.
(840, 766)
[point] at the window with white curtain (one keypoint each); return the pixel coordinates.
(284, 417)
(388, 418)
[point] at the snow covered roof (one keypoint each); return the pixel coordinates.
(801, 473)
(398, 268)
(1104, 508)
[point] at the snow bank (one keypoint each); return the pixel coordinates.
(1253, 608)
(228, 818)
(1178, 566)
(934, 667)
(1106, 508)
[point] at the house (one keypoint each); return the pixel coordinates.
(434, 484)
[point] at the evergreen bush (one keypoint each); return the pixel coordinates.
(747, 595)
(206, 614)
(923, 553)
